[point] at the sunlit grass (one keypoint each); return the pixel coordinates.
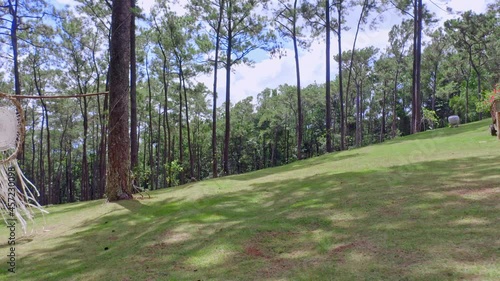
(424, 207)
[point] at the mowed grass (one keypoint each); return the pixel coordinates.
(424, 207)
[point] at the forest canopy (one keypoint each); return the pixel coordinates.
(182, 135)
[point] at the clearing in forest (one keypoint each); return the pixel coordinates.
(423, 207)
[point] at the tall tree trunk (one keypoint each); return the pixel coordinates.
(118, 180)
(134, 141)
(166, 149)
(361, 115)
(165, 113)
(15, 57)
(227, 132)
(166, 85)
(382, 126)
(434, 88)
(190, 149)
(69, 175)
(33, 144)
(353, 51)
(100, 176)
(478, 74)
(466, 74)
(62, 157)
(41, 167)
(417, 45)
(214, 109)
(85, 164)
(181, 148)
(394, 102)
(48, 186)
(158, 166)
(343, 119)
(466, 100)
(102, 148)
(328, 119)
(358, 115)
(150, 128)
(300, 117)
(49, 152)
(13, 40)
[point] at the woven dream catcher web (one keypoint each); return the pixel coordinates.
(17, 198)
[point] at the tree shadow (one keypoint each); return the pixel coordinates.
(417, 221)
(297, 165)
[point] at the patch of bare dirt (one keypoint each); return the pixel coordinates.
(253, 251)
(278, 266)
(389, 211)
(403, 257)
(113, 238)
(262, 246)
(153, 249)
(475, 191)
(338, 253)
(174, 237)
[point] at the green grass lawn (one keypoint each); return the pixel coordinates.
(424, 207)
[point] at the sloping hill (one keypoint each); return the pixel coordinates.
(424, 207)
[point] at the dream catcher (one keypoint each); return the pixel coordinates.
(17, 198)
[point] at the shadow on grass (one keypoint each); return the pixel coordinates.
(427, 221)
(71, 207)
(297, 165)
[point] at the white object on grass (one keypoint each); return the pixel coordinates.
(454, 120)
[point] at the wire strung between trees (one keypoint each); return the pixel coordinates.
(56, 97)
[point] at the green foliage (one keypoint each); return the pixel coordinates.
(142, 175)
(173, 169)
(430, 118)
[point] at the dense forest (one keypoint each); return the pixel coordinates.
(179, 133)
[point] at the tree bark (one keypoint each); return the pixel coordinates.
(382, 126)
(13, 39)
(86, 192)
(167, 122)
(150, 128)
(181, 149)
(48, 187)
(300, 117)
(227, 132)
(394, 102)
(166, 84)
(343, 118)
(134, 141)
(328, 119)
(214, 106)
(118, 180)
(190, 148)
(417, 51)
(358, 115)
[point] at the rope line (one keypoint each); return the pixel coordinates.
(55, 97)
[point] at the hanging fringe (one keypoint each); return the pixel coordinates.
(17, 200)
(17, 203)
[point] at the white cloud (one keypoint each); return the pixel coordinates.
(270, 73)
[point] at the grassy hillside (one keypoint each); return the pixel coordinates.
(424, 207)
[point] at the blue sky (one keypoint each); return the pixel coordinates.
(267, 72)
